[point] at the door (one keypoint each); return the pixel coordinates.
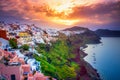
(13, 77)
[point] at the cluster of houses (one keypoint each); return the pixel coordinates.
(14, 65)
(28, 34)
(17, 65)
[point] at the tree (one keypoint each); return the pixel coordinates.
(25, 47)
(13, 43)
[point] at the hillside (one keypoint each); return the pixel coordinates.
(75, 28)
(80, 40)
(86, 35)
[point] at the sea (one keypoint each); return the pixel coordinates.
(105, 57)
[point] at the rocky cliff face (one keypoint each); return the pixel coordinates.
(85, 35)
(86, 72)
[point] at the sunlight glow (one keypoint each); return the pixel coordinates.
(65, 22)
(66, 8)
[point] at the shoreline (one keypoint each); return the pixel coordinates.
(87, 72)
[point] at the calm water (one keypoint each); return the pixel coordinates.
(105, 57)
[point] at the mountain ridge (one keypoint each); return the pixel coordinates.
(107, 33)
(75, 28)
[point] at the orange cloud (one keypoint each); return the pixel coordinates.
(64, 12)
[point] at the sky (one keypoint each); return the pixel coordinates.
(60, 14)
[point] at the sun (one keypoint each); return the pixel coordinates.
(65, 9)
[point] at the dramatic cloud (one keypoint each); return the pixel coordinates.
(63, 13)
(104, 14)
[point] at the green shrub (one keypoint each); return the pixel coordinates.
(56, 62)
(25, 47)
(13, 43)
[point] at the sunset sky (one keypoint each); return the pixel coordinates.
(61, 14)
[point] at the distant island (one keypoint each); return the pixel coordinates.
(107, 33)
